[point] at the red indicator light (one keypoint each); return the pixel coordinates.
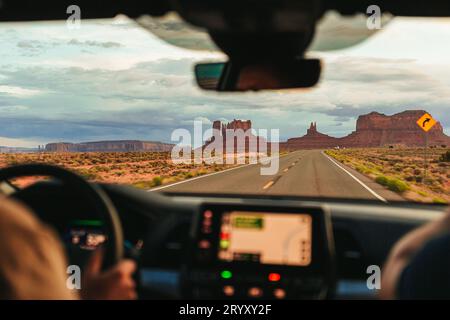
(224, 236)
(274, 277)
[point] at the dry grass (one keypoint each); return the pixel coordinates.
(141, 169)
(402, 170)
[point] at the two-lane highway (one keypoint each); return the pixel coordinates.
(302, 173)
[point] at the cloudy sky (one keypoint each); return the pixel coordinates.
(112, 79)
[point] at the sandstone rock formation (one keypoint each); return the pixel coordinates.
(312, 140)
(229, 134)
(109, 146)
(374, 130)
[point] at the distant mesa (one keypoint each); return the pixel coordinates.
(374, 130)
(4, 149)
(110, 146)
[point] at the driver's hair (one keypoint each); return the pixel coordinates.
(32, 261)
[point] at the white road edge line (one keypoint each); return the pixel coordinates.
(204, 176)
(199, 177)
(356, 179)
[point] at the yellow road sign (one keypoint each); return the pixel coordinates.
(426, 122)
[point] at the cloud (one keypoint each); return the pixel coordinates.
(151, 99)
(29, 44)
(8, 142)
(17, 91)
(91, 43)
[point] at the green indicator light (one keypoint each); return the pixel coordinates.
(85, 223)
(224, 244)
(226, 274)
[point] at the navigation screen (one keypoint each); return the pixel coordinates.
(266, 238)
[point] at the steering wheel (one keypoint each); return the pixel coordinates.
(102, 206)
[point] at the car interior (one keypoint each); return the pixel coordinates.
(314, 247)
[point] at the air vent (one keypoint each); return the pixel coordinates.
(350, 258)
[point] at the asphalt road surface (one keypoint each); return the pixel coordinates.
(303, 173)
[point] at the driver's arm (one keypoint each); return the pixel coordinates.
(33, 264)
(407, 249)
(32, 261)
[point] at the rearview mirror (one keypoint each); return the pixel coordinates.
(230, 76)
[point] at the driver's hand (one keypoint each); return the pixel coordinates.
(114, 284)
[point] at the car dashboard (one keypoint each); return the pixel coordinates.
(363, 233)
(340, 240)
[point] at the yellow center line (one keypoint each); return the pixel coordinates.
(268, 185)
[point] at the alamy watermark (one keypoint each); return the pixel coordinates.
(74, 19)
(374, 19)
(374, 280)
(73, 281)
(228, 146)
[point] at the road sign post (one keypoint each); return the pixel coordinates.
(425, 156)
(425, 122)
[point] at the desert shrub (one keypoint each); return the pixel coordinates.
(445, 157)
(397, 185)
(439, 200)
(422, 193)
(143, 184)
(201, 172)
(381, 180)
(392, 184)
(157, 181)
(364, 169)
(88, 175)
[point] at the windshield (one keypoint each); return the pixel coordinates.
(117, 104)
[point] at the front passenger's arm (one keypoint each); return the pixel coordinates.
(405, 250)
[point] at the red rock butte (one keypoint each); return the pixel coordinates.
(227, 131)
(374, 130)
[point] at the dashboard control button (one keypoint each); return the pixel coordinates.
(228, 291)
(208, 214)
(255, 292)
(204, 244)
(279, 293)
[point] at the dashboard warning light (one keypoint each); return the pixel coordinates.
(224, 244)
(279, 293)
(255, 292)
(224, 236)
(208, 214)
(274, 277)
(226, 274)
